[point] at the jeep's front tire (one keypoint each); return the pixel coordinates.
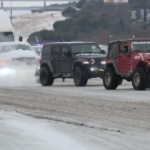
(139, 79)
(80, 77)
(110, 80)
(46, 77)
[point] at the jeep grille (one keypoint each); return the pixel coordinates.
(97, 60)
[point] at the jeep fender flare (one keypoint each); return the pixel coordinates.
(48, 64)
(114, 65)
(141, 64)
(78, 63)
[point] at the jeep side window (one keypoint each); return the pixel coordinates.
(55, 52)
(64, 51)
(46, 50)
(123, 48)
(113, 50)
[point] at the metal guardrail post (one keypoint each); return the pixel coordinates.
(44, 5)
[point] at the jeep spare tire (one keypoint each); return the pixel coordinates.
(110, 79)
(80, 77)
(46, 78)
(139, 79)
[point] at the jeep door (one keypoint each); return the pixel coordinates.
(113, 51)
(123, 58)
(65, 60)
(55, 58)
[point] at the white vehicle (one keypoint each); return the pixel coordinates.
(7, 33)
(17, 57)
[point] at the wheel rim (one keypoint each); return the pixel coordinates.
(107, 78)
(136, 79)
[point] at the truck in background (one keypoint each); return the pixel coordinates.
(7, 33)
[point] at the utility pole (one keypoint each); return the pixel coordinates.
(1, 4)
(44, 5)
(11, 12)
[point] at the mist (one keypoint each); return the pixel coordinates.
(14, 72)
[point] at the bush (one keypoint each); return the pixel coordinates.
(80, 3)
(69, 11)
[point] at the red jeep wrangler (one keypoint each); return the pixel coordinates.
(130, 60)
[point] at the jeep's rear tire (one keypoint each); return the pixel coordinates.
(80, 77)
(46, 78)
(139, 79)
(110, 80)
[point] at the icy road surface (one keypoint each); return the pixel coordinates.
(67, 117)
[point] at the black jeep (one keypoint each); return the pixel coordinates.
(78, 60)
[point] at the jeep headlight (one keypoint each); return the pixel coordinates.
(92, 61)
(103, 62)
(85, 62)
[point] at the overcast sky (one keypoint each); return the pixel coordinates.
(27, 4)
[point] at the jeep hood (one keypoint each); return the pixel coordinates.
(90, 56)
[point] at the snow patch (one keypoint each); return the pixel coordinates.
(35, 22)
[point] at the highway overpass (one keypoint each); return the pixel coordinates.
(59, 8)
(42, 8)
(39, 0)
(36, 7)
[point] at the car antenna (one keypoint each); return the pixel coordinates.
(60, 38)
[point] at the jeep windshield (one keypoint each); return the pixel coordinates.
(8, 48)
(140, 46)
(86, 48)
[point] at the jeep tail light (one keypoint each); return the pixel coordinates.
(40, 61)
(148, 63)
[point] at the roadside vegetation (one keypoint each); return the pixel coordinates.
(95, 21)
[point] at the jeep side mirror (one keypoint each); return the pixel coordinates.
(20, 38)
